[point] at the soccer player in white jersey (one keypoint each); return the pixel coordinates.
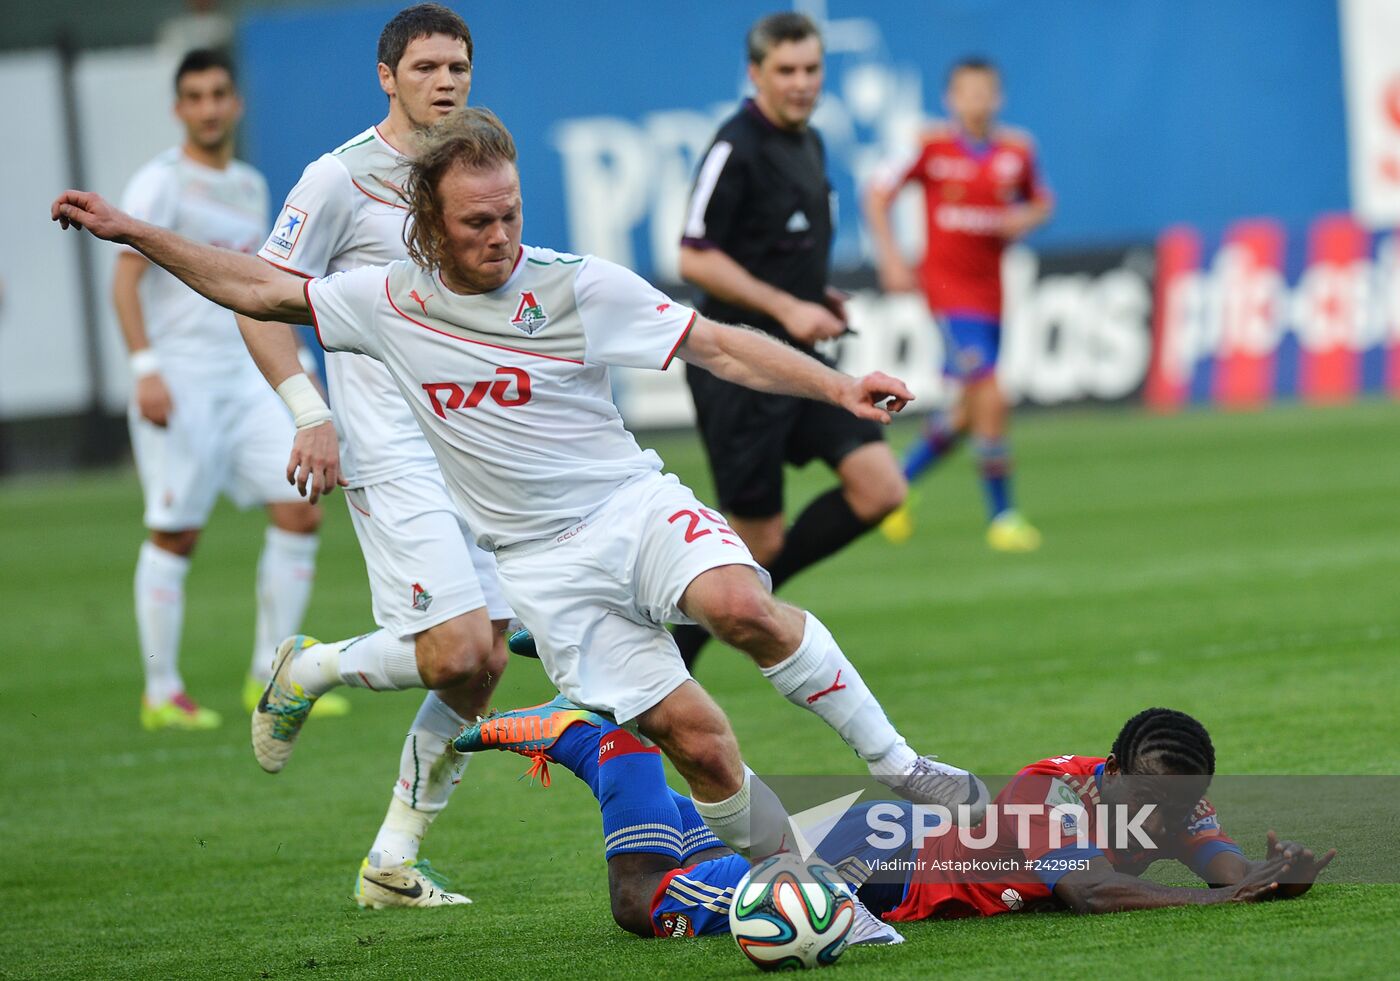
(434, 592)
(201, 419)
(505, 365)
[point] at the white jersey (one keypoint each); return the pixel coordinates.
(194, 337)
(511, 387)
(344, 213)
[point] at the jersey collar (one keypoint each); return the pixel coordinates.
(380, 137)
(975, 148)
(752, 108)
(514, 272)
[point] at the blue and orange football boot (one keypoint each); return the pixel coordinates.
(531, 732)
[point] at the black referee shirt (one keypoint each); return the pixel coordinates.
(762, 198)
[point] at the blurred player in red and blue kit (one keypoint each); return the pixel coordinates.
(981, 190)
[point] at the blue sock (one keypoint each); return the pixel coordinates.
(938, 439)
(695, 901)
(638, 812)
(994, 464)
(577, 749)
(695, 834)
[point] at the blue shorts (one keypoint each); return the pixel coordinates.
(971, 343)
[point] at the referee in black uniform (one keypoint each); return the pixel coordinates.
(757, 241)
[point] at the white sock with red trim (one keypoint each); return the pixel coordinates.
(429, 771)
(160, 615)
(820, 678)
(286, 570)
(752, 822)
(379, 661)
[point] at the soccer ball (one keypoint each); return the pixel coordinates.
(788, 913)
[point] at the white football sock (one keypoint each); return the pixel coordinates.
(286, 570)
(821, 679)
(160, 614)
(429, 771)
(380, 661)
(752, 822)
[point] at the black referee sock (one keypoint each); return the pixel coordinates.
(826, 526)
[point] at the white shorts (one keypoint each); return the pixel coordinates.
(424, 568)
(234, 442)
(596, 596)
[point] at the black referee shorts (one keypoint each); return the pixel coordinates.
(749, 435)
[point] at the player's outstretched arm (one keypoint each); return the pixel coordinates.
(1228, 868)
(755, 360)
(241, 283)
(895, 274)
(1100, 889)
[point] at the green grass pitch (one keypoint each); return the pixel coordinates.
(1240, 567)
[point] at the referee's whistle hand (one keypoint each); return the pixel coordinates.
(876, 396)
(808, 322)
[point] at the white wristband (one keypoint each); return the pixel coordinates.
(308, 408)
(144, 362)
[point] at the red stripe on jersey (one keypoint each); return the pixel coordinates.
(679, 341)
(1331, 366)
(379, 133)
(311, 308)
(468, 340)
(370, 194)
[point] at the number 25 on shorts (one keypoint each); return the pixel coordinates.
(694, 520)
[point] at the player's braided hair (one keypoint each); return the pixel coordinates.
(1172, 740)
(473, 138)
(775, 29)
(420, 20)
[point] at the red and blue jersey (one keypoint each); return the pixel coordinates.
(1039, 846)
(968, 187)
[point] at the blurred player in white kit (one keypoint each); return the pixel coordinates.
(202, 421)
(435, 596)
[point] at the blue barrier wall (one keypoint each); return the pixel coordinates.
(1146, 113)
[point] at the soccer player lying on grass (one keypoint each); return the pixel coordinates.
(502, 352)
(668, 876)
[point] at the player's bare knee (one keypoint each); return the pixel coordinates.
(631, 908)
(452, 652)
(297, 519)
(875, 497)
(744, 615)
(180, 543)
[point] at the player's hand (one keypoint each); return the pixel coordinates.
(1304, 865)
(153, 399)
(835, 301)
(896, 277)
(876, 396)
(314, 466)
(1261, 884)
(808, 323)
(88, 210)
